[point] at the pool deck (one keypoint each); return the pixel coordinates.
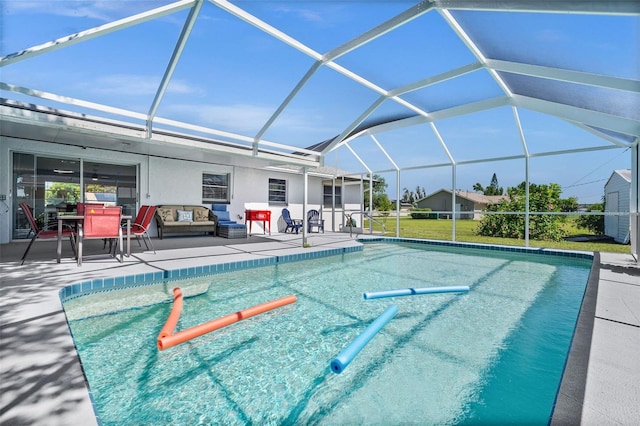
(41, 380)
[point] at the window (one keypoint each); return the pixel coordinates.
(328, 201)
(277, 191)
(215, 188)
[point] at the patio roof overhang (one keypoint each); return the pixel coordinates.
(30, 122)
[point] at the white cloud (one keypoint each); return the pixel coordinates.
(136, 85)
(239, 118)
(552, 36)
(103, 10)
(305, 14)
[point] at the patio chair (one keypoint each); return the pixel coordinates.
(314, 221)
(80, 207)
(101, 223)
(47, 232)
(225, 227)
(292, 224)
(140, 226)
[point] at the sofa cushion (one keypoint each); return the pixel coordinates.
(197, 224)
(200, 214)
(176, 224)
(185, 215)
(167, 215)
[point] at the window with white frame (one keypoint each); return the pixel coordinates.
(215, 188)
(277, 191)
(328, 195)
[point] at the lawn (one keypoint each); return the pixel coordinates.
(465, 232)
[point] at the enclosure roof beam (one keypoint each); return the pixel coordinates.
(173, 62)
(598, 119)
(609, 7)
(96, 32)
(569, 76)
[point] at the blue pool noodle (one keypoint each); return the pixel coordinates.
(412, 291)
(344, 358)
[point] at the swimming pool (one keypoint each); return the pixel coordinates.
(493, 355)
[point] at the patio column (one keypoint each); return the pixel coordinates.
(305, 192)
(398, 203)
(634, 202)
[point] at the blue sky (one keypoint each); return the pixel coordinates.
(233, 76)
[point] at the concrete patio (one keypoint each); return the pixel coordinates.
(42, 380)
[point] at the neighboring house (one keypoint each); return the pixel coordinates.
(467, 203)
(617, 192)
(405, 208)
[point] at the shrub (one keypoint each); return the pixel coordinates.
(542, 198)
(422, 213)
(594, 224)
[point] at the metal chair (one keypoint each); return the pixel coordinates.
(47, 232)
(292, 224)
(314, 221)
(101, 223)
(140, 226)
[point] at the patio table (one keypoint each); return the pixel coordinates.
(78, 219)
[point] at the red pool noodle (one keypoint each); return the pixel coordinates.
(174, 316)
(168, 341)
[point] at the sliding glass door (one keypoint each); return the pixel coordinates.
(110, 184)
(55, 184)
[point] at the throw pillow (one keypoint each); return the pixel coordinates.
(166, 215)
(185, 216)
(200, 214)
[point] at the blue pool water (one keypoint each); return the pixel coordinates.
(493, 355)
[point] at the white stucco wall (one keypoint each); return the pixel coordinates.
(171, 181)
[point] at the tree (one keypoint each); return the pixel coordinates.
(569, 204)
(407, 196)
(379, 192)
(383, 204)
(593, 223)
(61, 192)
(492, 189)
(411, 197)
(478, 187)
(542, 198)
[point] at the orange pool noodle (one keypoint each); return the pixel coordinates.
(165, 342)
(174, 316)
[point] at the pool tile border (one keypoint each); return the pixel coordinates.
(82, 288)
(107, 284)
(512, 249)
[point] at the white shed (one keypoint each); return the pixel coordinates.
(617, 193)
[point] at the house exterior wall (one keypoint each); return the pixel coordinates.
(171, 181)
(441, 201)
(617, 198)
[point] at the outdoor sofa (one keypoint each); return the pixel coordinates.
(172, 218)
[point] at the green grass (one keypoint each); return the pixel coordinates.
(465, 232)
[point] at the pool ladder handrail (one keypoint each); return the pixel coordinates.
(363, 214)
